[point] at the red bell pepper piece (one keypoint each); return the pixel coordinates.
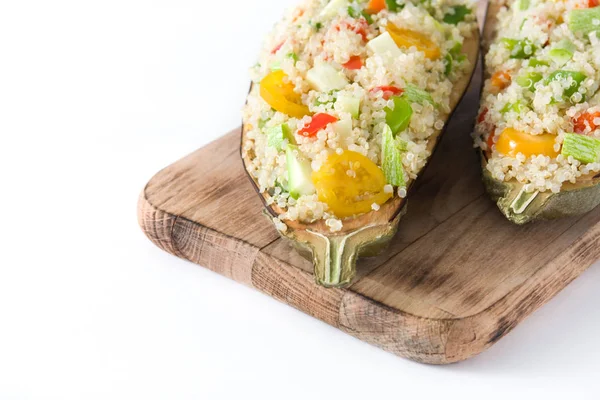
(354, 63)
(580, 122)
(318, 122)
(388, 91)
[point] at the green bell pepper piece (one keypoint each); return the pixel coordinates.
(398, 119)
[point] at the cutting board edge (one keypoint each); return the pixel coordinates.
(421, 339)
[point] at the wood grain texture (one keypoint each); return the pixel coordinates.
(456, 279)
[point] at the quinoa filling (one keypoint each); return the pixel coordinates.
(539, 121)
(344, 100)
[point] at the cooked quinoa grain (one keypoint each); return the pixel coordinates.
(345, 98)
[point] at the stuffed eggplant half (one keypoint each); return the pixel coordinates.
(347, 103)
(539, 126)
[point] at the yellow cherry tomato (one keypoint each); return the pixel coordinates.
(511, 142)
(280, 95)
(406, 38)
(350, 183)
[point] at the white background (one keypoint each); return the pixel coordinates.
(95, 97)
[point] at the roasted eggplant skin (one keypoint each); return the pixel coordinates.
(521, 207)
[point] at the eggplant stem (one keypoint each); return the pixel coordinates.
(334, 259)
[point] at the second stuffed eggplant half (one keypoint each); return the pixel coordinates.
(347, 103)
(539, 126)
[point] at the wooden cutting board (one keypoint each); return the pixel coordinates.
(456, 279)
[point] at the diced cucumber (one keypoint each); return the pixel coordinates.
(399, 118)
(367, 17)
(299, 173)
(384, 44)
(583, 148)
(520, 49)
(391, 159)
(325, 78)
(562, 52)
(343, 128)
(349, 104)
(577, 79)
(529, 79)
(332, 8)
(279, 136)
(448, 64)
(415, 95)
(459, 14)
(584, 21)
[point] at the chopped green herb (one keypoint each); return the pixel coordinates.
(459, 14)
(368, 17)
(448, 64)
(522, 24)
(352, 12)
(392, 5)
(415, 95)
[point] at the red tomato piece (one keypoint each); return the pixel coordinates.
(388, 91)
(584, 120)
(277, 48)
(359, 26)
(481, 117)
(354, 63)
(318, 122)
